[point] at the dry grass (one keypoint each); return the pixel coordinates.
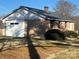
(17, 53)
(44, 50)
(70, 53)
(23, 53)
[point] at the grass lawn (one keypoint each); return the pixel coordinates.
(44, 51)
(53, 52)
(23, 52)
(70, 53)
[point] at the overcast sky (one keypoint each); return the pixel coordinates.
(6, 6)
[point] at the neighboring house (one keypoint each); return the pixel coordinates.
(26, 20)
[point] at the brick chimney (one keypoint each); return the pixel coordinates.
(46, 9)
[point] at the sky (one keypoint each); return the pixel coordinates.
(6, 6)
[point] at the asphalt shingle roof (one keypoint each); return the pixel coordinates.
(40, 13)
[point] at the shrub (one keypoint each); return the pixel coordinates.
(54, 34)
(70, 34)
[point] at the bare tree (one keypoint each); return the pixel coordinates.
(65, 8)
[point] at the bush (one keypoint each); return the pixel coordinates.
(54, 34)
(70, 34)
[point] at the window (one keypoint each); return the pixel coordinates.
(14, 23)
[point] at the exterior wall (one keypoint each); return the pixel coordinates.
(72, 26)
(35, 23)
(67, 26)
(14, 28)
(4, 32)
(37, 27)
(1, 28)
(1, 32)
(62, 25)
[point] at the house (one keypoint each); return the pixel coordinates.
(27, 20)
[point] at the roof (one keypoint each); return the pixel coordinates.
(59, 15)
(38, 12)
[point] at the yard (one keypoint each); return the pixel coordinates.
(42, 50)
(23, 53)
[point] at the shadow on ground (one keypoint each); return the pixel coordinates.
(32, 51)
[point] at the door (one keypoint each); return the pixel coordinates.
(15, 28)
